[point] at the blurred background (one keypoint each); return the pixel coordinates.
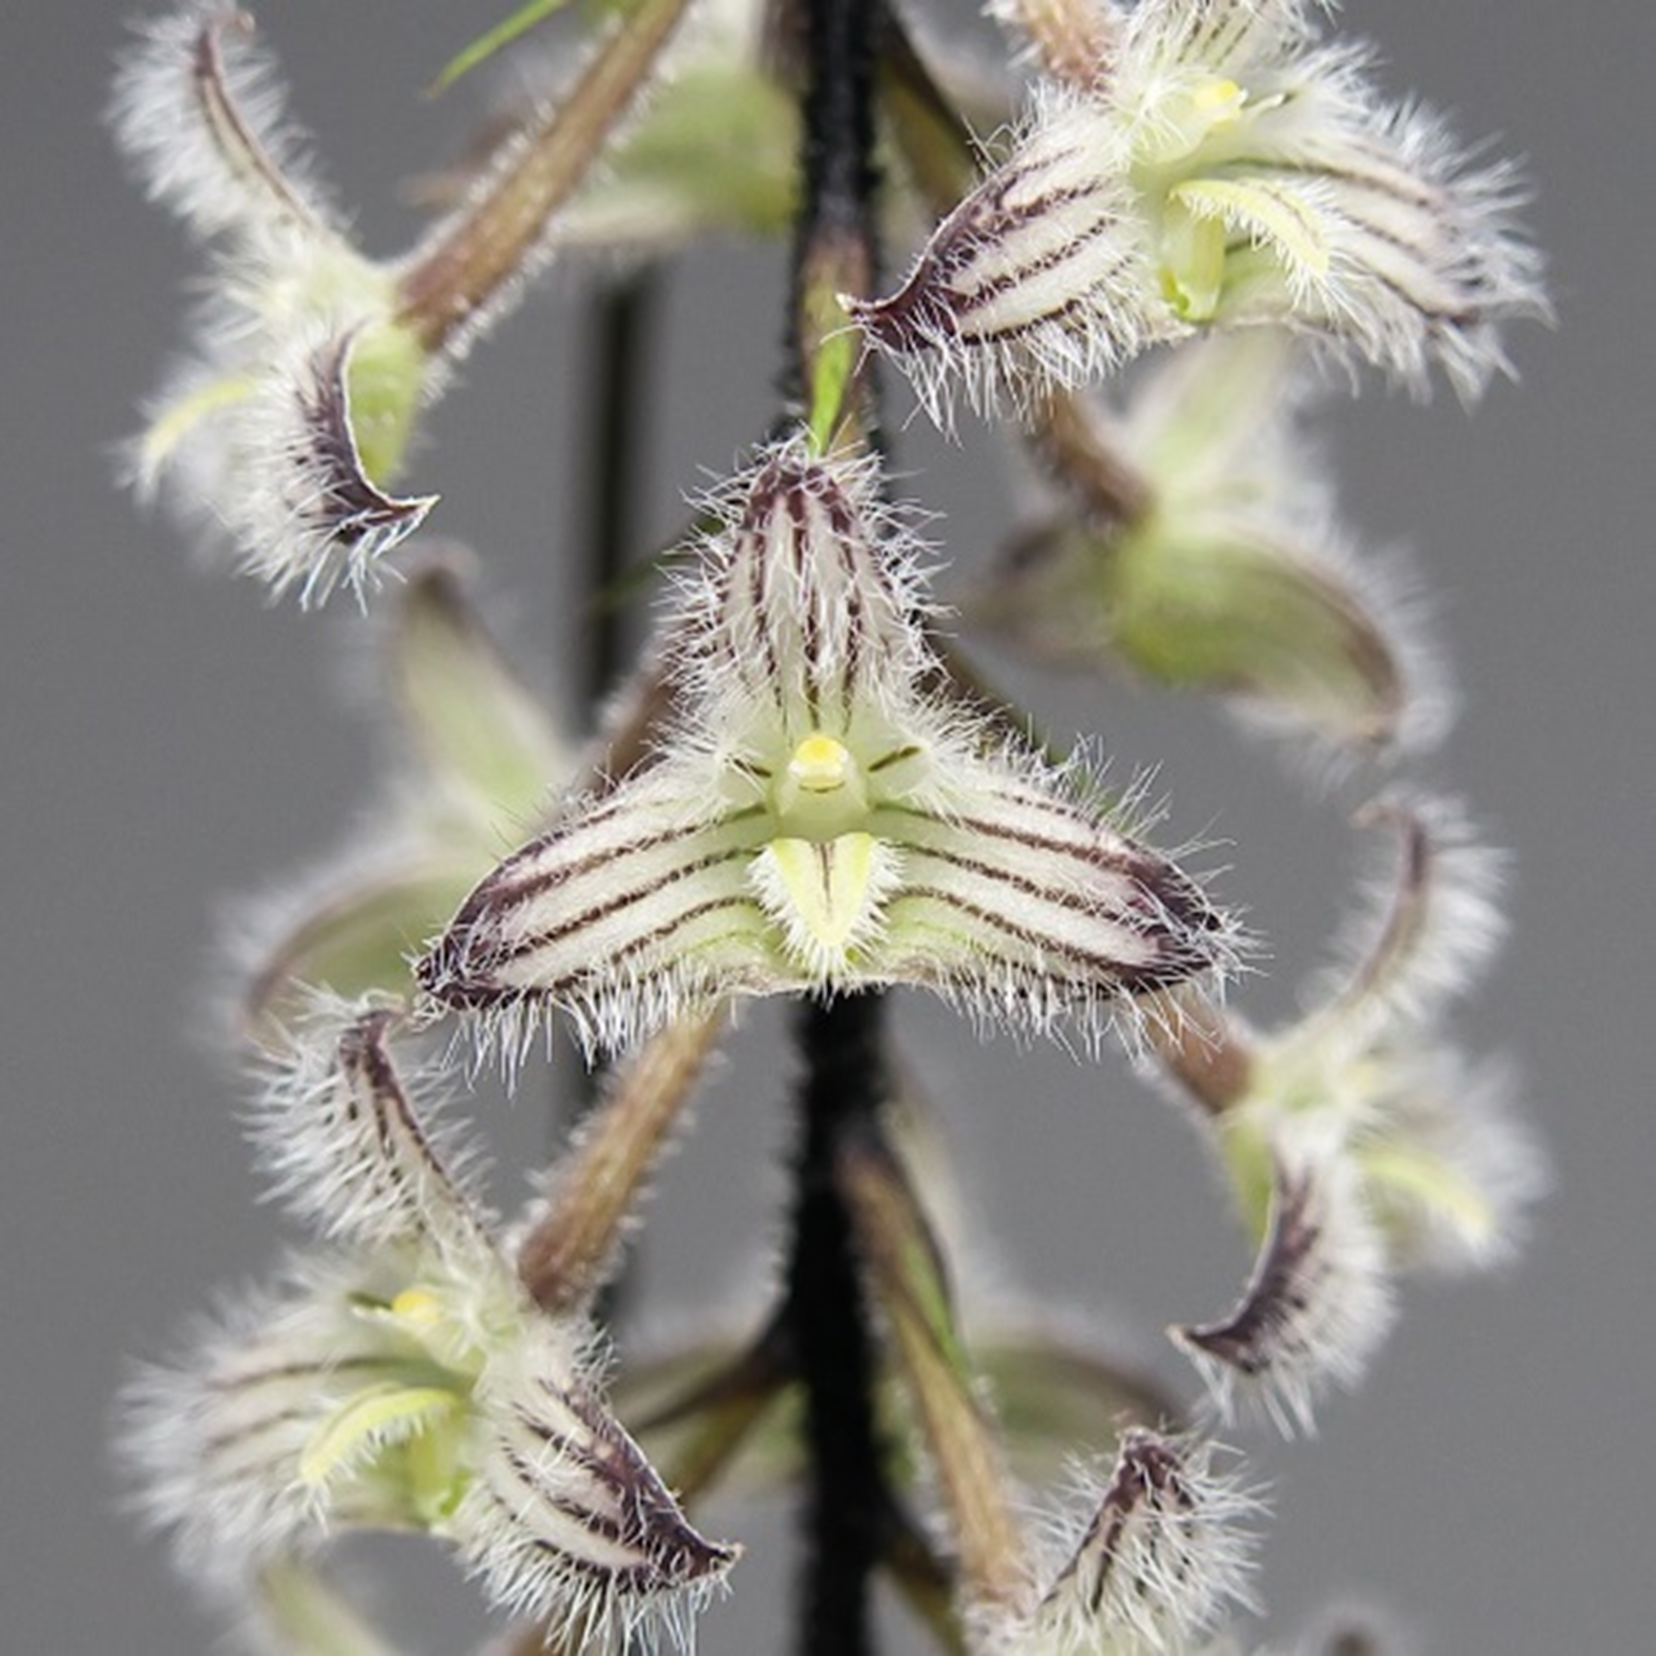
(170, 742)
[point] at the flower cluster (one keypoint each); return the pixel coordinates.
(806, 789)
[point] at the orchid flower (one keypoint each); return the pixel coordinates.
(822, 815)
(1358, 1141)
(1232, 576)
(402, 1378)
(292, 417)
(1223, 165)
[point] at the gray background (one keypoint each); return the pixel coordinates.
(169, 741)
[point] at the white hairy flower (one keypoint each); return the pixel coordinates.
(1226, 167)
(1359, 1142)
(822, 815)
(293, 413)
(1163, 1551)
(402, 1378)
(1233, 576)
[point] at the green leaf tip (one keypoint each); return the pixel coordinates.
(506, 31)
(834, 369)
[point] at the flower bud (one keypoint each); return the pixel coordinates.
(1223, 571)
(1164, 1550)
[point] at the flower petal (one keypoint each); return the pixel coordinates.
(1165, 1551)
(1318, 1305)
(215, 1443)
(1428, 924)
(1038, 272)
(807, 610)
(827, 898)
(567, 1521)
(633, 908)
(198, 109)
(345, 1144)
(1020, 898)
(1284, 213)
(349, 937)
(313, 516)
(1449, 1170)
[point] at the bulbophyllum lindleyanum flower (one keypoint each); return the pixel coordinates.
(1358, 1142)
(1223, 166)
(1229, 575)
(401, 1377)
(288, 425)
(821, 814)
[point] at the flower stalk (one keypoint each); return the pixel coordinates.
(570, 1254)
(451, 283)
(827, 1326)
(824, 1316)
(906, 1272)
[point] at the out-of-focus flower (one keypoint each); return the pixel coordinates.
(402, 1378)
(1359, 1143)
(1226, 167)
(292, 417)
(1231, 577)
(481, 759)
(713, 151)
(822, 815)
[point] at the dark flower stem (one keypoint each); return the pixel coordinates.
(623, 313)
(828, 1332)
(825, 1315)
(835, 247)
(841, 37)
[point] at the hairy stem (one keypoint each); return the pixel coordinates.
(835, 249)
(471, 258)
(827, 1322)
(824, 1311)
